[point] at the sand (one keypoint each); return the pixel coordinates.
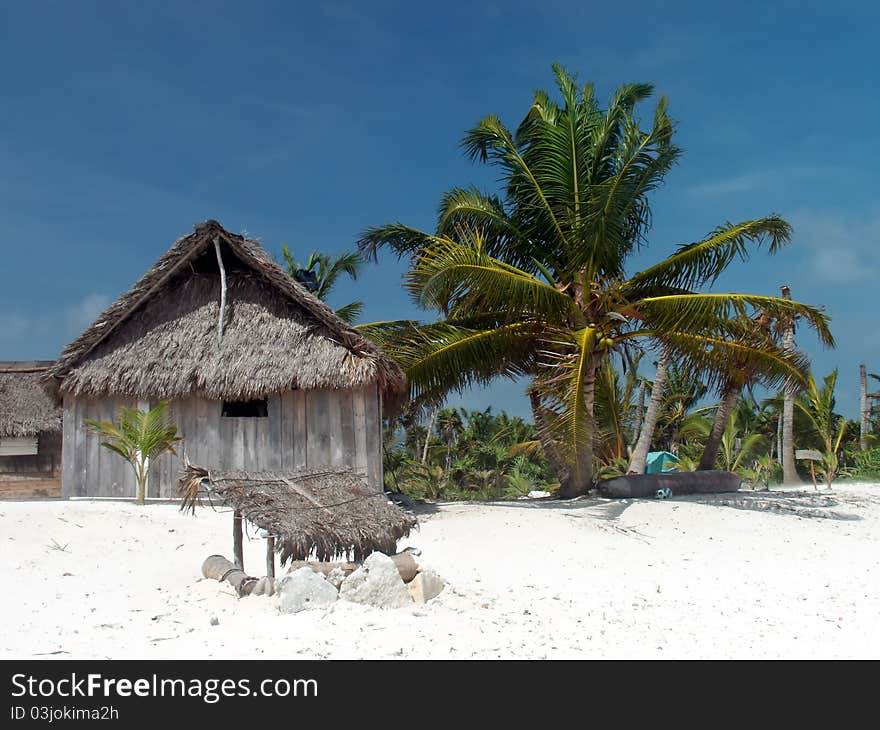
(752, 575)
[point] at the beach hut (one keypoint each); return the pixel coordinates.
(259, 373)
(30, 433)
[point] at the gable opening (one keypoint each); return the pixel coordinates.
(245, 409)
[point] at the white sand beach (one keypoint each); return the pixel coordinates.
(784, 574)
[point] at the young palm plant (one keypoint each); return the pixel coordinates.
(817, 404)
(536, 284)
(139, 437)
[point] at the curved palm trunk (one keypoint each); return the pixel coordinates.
(789, 473)
(722, 416)
(428, 435)
(640, 413)
(640, 453)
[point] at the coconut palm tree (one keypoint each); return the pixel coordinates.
(743, 370)
(449, 428)
(536, 283)
(789, 471)
(321, 273)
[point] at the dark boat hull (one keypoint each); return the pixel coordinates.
(686, 482)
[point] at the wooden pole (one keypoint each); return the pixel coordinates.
(222, 289)
(270, 556)
(865, 409)
(237, 550)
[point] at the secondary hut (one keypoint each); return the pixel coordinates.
(30, 433)
(260, 374)
(328, 513)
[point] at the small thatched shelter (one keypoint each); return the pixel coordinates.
(328, 513)
(30, 433)
(261, 375)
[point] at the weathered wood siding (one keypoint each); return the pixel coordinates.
(304, 429)
(88, 470)
(36, 476)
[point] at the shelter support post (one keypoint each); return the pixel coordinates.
(270, 556)
(237, 550)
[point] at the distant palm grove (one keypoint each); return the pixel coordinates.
(534, 281)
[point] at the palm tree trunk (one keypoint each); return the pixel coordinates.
(639, 457)
(789, 472)
(640, 413)
(779, 439)
(722, 416)
(582, 477)
(557, 463)
(864, 409)
(428, 435)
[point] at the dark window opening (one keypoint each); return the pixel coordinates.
(246, 409)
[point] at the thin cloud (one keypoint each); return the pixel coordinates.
(27, 336)
(754, 181)
(838, 250)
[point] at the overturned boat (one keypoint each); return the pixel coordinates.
(669, 484)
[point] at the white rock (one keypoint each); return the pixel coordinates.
(376, 583)
(304, 588)
(425, 586)
(538, 494)
(335, 577)
(264, 587)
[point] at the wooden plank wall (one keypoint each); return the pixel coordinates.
(87, 468)
(33, 477)
(304, 429)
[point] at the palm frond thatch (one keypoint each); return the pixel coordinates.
(25, 409)
(329, 513)
(159, 340)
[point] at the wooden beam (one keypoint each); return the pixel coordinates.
(222, 289)
(237, 551)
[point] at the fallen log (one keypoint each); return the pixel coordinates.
(686, 482)
(219, 568)
(405, 562)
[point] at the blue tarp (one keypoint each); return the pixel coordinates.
(661, 461)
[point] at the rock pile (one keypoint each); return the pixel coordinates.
(379, 581)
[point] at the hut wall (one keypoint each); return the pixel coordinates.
(304, 429)
(88, 469)
(39, 475)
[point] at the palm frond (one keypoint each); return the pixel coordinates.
(697, 264)
(697, 312)
(350, 312)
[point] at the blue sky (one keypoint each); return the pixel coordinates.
(122, 124)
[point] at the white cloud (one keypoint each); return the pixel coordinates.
(838, 250)
(83, 313)
(40, 335)
(755, 180)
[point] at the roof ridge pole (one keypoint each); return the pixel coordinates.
(222, 289)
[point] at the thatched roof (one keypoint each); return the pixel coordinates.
(25, 408)
(160, 339)
(331, 513)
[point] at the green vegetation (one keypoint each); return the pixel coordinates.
(140, 437)
(534, 282)
(465, 455)
(321, 272)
